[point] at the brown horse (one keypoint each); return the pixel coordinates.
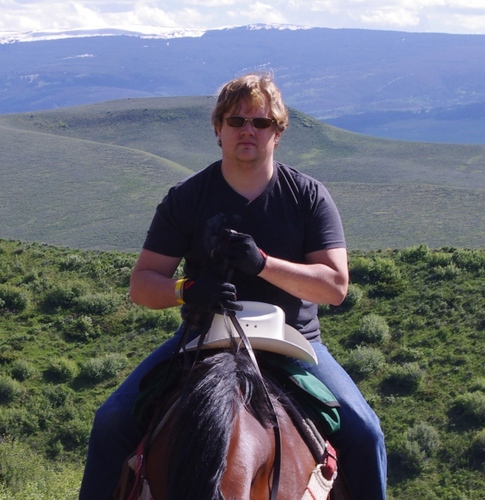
(217, 439)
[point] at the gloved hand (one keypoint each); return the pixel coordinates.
(243, 254)
(210, 294)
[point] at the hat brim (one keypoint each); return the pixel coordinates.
(294, 344)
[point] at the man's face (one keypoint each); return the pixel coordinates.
(248, 143)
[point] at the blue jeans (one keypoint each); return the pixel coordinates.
(359, 441)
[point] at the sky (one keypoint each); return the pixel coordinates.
(437, 16)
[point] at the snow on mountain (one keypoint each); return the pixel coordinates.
(135, 31)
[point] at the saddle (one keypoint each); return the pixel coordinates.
(306, 394)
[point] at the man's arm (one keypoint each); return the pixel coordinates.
(152, 283)
(322, 279)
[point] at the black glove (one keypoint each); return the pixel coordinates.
(211, 294)
(243, 254)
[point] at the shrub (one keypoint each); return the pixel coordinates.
(19, 420)
(13, 299)
(441, 259)
(472, 404)
(123, 261)
(81, 329)
(415, 254)
(382, 273)
(373, 330)
(10, 389)
(97, 303)
(23, 370)
(412, 457)
(360, 269)
(148, 319)
(448, 272)
(406, 377)
(427, 438)
(72, 262)
(169, 320)
(63, 370)
(60, 297)
(57, 395)
(477, 448)
(478, 385)
(471, 260)
(74, 433)
(98, 369)
(354, 295)
(386, 277)
(407, 354)
(24, 475)
(16, 465)
(364, 360)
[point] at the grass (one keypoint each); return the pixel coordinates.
(411, 333)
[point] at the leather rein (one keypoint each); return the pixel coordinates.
(276, 427)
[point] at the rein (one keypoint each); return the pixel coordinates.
(276, 427)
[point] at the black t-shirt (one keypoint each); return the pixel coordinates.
(295, 215)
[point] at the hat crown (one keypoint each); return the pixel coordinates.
(264, 326)
(257, 319)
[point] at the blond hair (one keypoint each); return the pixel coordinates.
(258, 89)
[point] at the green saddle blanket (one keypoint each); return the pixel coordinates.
(304, 388)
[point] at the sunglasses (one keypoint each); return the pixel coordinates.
(240, 121)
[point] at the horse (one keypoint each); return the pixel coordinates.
(222, 425)
(226, 434)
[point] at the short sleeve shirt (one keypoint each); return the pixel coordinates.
(294, 216)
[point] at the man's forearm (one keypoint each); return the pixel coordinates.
(315, 282)
(152, 289)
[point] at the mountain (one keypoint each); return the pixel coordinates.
(415, 86)
(91, 176)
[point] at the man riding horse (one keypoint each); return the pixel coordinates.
(283, 244)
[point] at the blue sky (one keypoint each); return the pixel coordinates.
(446, 16)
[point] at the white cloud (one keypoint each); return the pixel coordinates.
(258, 12)
(394, 18)
(453, 16)
(209, 3)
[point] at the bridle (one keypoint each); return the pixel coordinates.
(218, 260)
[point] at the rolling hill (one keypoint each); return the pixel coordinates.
(91, 176)
(414, 86)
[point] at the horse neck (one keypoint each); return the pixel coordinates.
(217, 388)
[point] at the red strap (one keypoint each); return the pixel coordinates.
(139, 470)
(329, 462)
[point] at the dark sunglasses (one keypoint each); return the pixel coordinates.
(240, 121)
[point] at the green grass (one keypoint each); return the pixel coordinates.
(91, 176)
(411, 333)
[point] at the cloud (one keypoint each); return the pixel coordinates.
(394, 18)
(258, 12)
(452, 16)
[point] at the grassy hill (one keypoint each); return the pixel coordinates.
(416, 86)
(91, 176)
(411, 333)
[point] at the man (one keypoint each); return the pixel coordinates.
(284, 244)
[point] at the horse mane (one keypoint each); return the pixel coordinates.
(216, 388)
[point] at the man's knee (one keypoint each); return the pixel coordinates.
(363, 428)
(112, 422)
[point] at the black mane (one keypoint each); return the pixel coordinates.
(216, 388)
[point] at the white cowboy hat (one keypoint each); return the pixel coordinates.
(265, 328)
